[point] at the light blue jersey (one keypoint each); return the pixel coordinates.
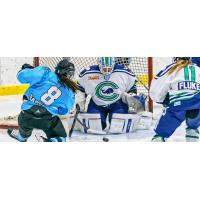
(46, 90)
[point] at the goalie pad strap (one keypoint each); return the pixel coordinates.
(91, 121)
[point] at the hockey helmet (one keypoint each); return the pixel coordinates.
(106, 66)
(66, 68)
(181, 58)
(196, 60)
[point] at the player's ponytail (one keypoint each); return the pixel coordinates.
(65, 71)
(180, 64)
(68, 83)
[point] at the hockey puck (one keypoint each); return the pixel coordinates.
(105, 139)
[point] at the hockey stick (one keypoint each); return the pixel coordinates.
(142, 83)
(74, 121)
(41, 138)
(95, 132)
(89, 130)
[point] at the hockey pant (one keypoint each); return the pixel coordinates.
(172, 119)
(117, 107)
(39, 118)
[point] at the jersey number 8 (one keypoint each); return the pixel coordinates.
(52, 94)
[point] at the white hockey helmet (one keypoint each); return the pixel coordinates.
(106, 66)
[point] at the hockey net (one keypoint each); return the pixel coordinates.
(141, 66)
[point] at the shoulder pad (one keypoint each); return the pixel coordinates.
(164, 71)
(123, 69)
(94, 68)
(117, 66)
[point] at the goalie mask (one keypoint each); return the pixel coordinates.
(106, 66)
(65, 68)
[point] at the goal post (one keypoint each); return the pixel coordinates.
(150, 77)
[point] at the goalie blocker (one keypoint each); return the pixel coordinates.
(120, 123)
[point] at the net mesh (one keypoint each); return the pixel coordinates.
(138, 65)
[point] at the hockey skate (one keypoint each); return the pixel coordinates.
(192, 135)
(157, 138)
(16, 135)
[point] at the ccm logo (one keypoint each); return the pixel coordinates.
(93, 77)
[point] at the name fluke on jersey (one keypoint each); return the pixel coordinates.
(188, 85)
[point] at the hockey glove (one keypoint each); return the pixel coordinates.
(134, 101)
(25, 66)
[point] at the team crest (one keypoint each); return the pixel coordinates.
(106, 91)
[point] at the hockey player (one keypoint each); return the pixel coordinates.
(108, 84)
(50, 94)
(178, 88)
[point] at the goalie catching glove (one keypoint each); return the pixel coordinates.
(134, 101)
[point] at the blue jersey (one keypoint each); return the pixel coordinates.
(46, 90)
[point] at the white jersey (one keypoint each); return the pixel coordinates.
(181, 85)
(106, 92)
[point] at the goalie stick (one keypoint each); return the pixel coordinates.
(93, 131)
(88, 130)
(142, 83)
(40, 138)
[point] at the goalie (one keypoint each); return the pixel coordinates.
(112, 87)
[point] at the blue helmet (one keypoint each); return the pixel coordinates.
(181, 58)
(106, 66)
(196, 60)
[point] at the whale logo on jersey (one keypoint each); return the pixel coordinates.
(106, 91)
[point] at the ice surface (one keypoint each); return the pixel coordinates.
(138, 136)
(10, 105)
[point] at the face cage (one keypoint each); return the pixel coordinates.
(70, 74)
(106, 70)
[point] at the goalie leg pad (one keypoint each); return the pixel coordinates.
(123, 123)
(103, 111)
(92, 121)
(145, 120)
